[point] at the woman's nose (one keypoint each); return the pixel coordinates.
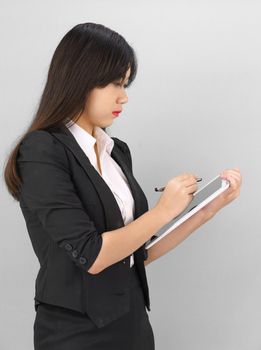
(123, 98)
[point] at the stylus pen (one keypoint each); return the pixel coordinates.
(163, 188)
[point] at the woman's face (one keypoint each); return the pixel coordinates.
(102, 102)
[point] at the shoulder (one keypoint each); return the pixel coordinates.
(36, 137)
(40, 145)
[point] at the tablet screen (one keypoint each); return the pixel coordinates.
(201, 197)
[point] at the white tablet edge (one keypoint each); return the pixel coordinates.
(225, 185)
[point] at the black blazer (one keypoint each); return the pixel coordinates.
(66, 205)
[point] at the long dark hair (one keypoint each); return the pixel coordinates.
(89, 55)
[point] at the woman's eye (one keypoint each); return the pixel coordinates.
(119, 84)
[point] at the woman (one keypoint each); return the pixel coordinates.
(86, 215)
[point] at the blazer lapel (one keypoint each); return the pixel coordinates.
(112, 211)
(140, 200)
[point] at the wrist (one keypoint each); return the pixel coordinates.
(207, 214)
(163, 214)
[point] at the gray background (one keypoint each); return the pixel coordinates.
(193, 107)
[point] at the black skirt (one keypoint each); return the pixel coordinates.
(58, 328)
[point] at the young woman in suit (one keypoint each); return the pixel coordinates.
(86, 215)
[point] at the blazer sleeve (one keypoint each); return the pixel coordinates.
(48, 191)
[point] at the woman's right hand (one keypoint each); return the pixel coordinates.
(177, 194)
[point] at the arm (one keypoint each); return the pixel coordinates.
(122, 242)
(176, 236)
(48, 191)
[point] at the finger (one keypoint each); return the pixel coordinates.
(189, 182)
(238, 178)
(189, 179)
(233, 184)
(234, 170)
(235, 175)
(192, 188)
(231, 172)
(184, 176)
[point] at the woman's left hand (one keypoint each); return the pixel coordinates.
(231, 193)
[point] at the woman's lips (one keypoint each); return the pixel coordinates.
(116, 113)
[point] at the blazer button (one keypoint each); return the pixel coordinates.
(82, 260)
(124, 262)
(75, 253)
(68, 246)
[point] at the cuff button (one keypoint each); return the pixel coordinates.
(68, 247)
(82, 260)
(75, 253)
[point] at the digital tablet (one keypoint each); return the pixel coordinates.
(200, 198)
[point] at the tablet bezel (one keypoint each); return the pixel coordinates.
(167, 228)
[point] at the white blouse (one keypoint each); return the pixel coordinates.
(111, 171)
